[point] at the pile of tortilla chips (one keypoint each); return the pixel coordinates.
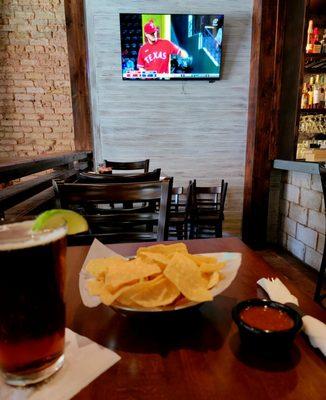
(159, 276)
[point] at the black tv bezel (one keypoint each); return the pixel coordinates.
(211, 80)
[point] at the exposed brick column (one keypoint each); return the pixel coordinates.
(35, 100)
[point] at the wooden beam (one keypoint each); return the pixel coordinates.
(15, 194)
(77, 53)
(30, 206)
(273, 96)
(14, 169)
(262, 134)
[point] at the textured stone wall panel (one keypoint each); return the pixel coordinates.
(302, 227)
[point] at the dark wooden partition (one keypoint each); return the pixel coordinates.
(276, 42)
(35, 194)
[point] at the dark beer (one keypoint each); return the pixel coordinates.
(32, 309)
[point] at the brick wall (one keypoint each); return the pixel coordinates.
(302, 211)
(35, 99)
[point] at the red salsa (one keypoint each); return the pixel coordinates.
(266, 318)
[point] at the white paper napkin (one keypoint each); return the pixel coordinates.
(312, 327)
(84, 361)
(277, 291)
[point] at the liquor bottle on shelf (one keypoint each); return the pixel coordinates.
(311, 92)
(316, 92)
(310, 37)
(304, 97)
(317, 45)
(323, 43)
(322, 92)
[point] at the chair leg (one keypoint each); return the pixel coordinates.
(192, 230)
(185, 230)
(179, 229)
(218, 230)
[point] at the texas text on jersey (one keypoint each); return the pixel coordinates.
(156, 56)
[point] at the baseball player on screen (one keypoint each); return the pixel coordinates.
(155, 54)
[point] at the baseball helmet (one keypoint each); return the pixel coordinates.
(150, 28)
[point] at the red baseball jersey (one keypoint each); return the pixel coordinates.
(156, 56)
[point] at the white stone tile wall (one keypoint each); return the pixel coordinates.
(302, 222)
(321, 243)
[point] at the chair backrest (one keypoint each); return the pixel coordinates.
(70, 194)
(131, 165)
(183, 198)
(85, 177)
(177, 191)
(210, 197)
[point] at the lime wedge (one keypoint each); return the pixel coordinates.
(52, 219)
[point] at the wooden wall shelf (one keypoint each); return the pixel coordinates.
(315, 55)
(315, 63)
(310, 71)
(312, 111)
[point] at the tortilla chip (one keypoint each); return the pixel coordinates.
(95, 287)
(199, 259)
(124, 273)
(212, 279)
(161, 260)
(186, 276)
(164, 249)
(99, 266)
(156, 293)
(107, 297)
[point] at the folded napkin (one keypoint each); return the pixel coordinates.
(312, 327)
(76, 372)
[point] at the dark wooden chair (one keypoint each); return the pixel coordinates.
(117, 178)
(208, 208)
(119, 225)
(86, 177)
(131, 165)
(180, 212)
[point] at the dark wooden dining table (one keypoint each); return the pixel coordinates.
(196, 355)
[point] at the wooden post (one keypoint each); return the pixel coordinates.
(267, 40)
(77, 53)
(273, 97)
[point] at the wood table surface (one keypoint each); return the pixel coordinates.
(196, 356)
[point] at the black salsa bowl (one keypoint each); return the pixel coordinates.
(263, 340)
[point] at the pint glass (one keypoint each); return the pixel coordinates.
(32, 308)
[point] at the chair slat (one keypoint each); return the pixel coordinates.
(131, 165)
(85, 177)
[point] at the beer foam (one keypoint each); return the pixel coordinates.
(20, 235)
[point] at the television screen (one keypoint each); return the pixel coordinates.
(177, 46)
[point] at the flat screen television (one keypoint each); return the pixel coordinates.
(171, 46)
